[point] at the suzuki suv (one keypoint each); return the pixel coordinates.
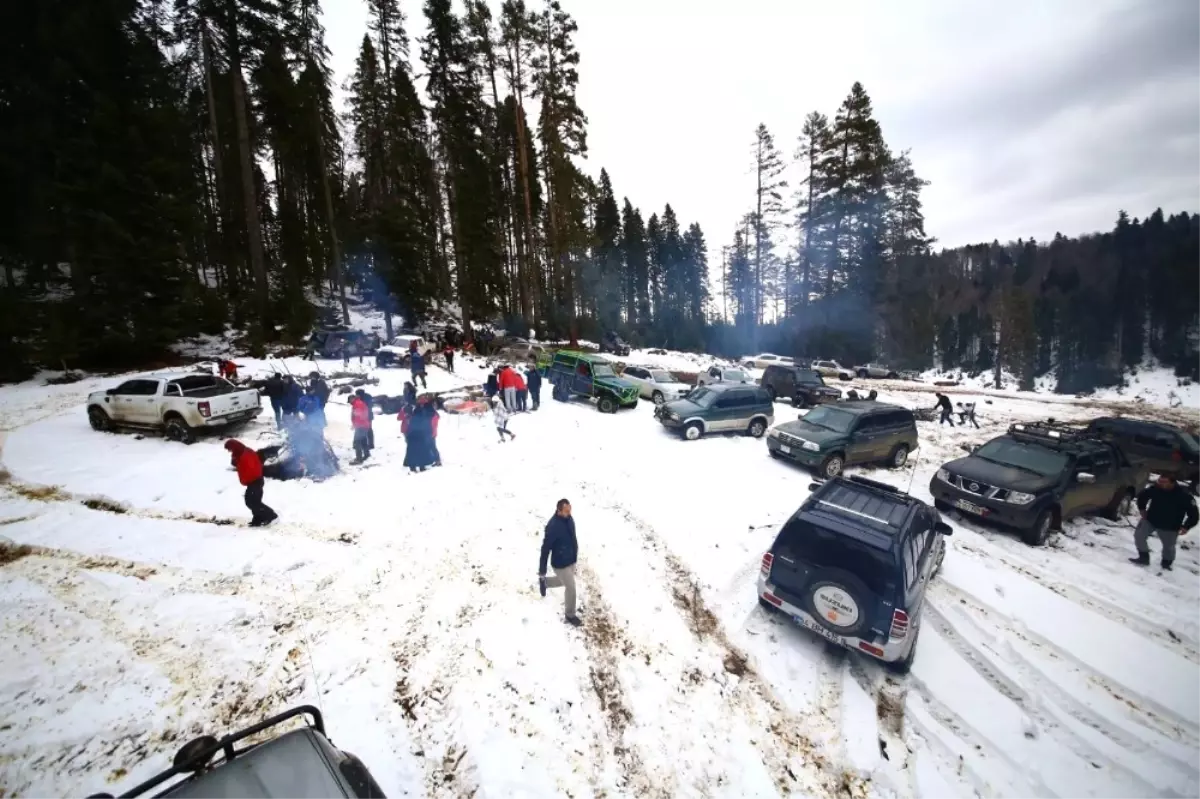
(830, 437)
(853, 564)
(724, 407)
(1036, 477)
(1157, 446)
(804, 387)
(577, 374)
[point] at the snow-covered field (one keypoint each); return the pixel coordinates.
(404, 605)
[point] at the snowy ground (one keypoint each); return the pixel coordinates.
(404, 605)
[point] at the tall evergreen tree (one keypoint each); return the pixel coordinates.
(606, 253)
(768, 208)
(637, 265)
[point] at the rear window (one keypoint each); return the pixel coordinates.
(809, 376)
(816, 546)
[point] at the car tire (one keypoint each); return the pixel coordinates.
(178, 430)
(1119, 505)
(832, 466)
(904, 664)
(1036, 536)
(607, 405)
(99, 420)
(692, 431)
(893, 376)
(757, 428)
(658, 398)
(559, 393)
(847, 583)
(800, 401)
(863, 374)
(941, 557)
(899, 457)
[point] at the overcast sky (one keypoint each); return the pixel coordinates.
(1027, 118)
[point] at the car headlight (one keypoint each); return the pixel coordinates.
(1019, 498)
(943, 475)
(811, 446)
(773, 433)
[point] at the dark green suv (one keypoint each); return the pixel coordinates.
(579, 374)
(831, 437)
(720, 408)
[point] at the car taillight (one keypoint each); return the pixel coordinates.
(767, 560)
(205, 409)
(1176, 455)
(899, 624)
(774, 600)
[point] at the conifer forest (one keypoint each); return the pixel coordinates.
(177, 167)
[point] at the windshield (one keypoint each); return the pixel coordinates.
(830, 419)
(1190, 444)
(702, 397)
(1027, 457)
(735, 375)
(815, 546)
(602, 370)
(663, 377)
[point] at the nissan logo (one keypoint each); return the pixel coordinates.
(974, 486)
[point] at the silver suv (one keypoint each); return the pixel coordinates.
(300, 763)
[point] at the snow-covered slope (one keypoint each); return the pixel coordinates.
(404, 605)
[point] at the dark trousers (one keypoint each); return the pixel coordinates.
(419, 376)
(259, 512)
(277, 409)
(362, 441)
(449, 361)
(521, 395)
(536, 394)
(370, 438)
(947, 416)
(963, 418)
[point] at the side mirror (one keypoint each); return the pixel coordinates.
(814, 486)
(1085, 477)
(943, 529)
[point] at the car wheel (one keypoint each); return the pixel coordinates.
(863, 373)
(899, 456)
(832, 466)
(837, 599)
(893, 376)
(607, 405)
(937, 566)
(801, 402)
(177, 430)
(658, 398)
(1036, 536)
(1119, 506)
(99, 420)
(757, 428)
(559, 393)
(904, 664)
(693, 431)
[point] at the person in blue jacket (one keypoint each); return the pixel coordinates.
(418, 368)
(562, 549)
(533, 379)
(310, 406)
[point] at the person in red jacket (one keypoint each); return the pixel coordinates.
(508, 387)
(250, 473)
(360, 420)
(522, 389)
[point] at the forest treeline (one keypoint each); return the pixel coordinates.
(176, 167)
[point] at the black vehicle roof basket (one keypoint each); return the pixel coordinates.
(1050, 430)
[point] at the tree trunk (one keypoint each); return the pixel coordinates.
(526, 281)
(258, 264)
(335, 265)
(218, 164)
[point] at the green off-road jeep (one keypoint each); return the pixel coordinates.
(583, 375)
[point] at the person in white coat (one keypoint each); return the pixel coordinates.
(501, 414)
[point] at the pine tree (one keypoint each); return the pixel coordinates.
(813, 208)
(606, 253)
(654, 262)
(768, 208)
(637, 265)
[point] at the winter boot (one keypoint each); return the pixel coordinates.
(574, 621)
(1143, 559)
(542, 585)
(1166, 564)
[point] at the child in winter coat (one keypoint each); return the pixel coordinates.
(501, 415)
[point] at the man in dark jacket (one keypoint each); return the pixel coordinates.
(275, 389)
(417, 365)
(943, 404)
(1168, 511)
(291, 396)
(533, 378)
(560, 546)
(319, 387)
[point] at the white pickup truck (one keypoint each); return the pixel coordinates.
(177, 404)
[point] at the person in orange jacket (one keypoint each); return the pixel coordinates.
(360, 420)
(508, 387)
(250, 474)
(522, 390)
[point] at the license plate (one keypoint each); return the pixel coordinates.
(786, 450)
(820, 630)
(970, 507)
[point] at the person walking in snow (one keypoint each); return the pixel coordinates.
(501, 414)
(275, 388)
(448, 354)
(250, 474)
(421, 451)
(522, 390)
(561, 548)
(492, 387)
(534, 380)
(426, 405)
(370, 401)
(1168, 511)
(417, 365)
(966, 413)
(360, 420)
(943, 404)
(508, 385)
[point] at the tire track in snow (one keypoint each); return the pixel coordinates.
(985, 666)
(795, 761)
(831, 698)
(1160, 634)
(891, 697)
(1151, 714)
(1043, 686)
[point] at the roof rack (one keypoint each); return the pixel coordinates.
(891, 489)
(1051, 430)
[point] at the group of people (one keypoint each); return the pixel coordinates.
(514, 389)
(966, 411)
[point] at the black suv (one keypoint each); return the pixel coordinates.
(804, 387)
(299, 763)
(1037, 476)
(852, 565)
(1157, 446)
(612, 342)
